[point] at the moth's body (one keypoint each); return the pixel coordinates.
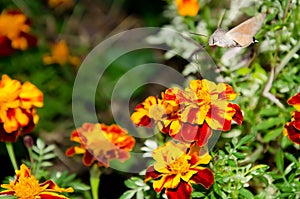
(239, 36)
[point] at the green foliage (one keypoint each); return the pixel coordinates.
(8, 197)
(41, 157)
(233, 174)
(65, 179)
(137, 187)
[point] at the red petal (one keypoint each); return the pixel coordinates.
(204, 134)
(294, 100)
(293, 133)
(151, 173)
(8, 137)
(189, 132)
(5, 47)
(183, 191)
(87, 159)
(32, 40)
(204, 177)
(70, 151)
(51, 195)
(238, 116)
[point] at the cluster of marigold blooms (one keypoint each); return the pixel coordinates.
(15, 32)
(18, 103)
(15, 35)
(190, 117)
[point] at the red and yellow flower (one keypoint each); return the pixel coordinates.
(292, 128)
(18, 104)
(187, 7)
(60, 55)
(176, 168)
(26, 186)
(101, 143)
(14, 32)
(191, 114)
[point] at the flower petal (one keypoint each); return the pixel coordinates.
(183, 191)
(151, 173)
(295, 101)
(204, 177)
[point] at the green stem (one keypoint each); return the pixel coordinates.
(11, 154)
(95, 174)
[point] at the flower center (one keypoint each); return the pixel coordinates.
(204, 98)
(27, 188)
(180, 165)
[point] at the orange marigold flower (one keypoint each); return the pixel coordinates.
(101, 143)
(187, 7)
(292, 128)
(191, 114)
(14, 32)
(60, 55)
(175, 169)
(18, 108)
(26, 186)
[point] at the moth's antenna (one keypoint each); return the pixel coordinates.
(221, 19)
(198, 34)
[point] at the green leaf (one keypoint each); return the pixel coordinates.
(292, 177)
(79, 186)
(219, 191)
(128, 194)
(49, 156)
(40, 144)
(245, 139)
(36, 149)
(291, 158)
(234, 141)
(286, 195)
(246, 193)
(269, 111)
(196, 194)
(279, 160)
(239, 155)
(272, 134)
(232, 163)
(46, 164)
(289, 168)
(130, 184)
(139, 194)
(49, 148)
(268, 123)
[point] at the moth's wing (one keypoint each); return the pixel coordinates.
(243, 33)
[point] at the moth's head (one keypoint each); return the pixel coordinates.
(217, 37)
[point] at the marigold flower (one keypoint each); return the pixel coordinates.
(14, 32)
(292, 128)
(187, 7)
(101, 143)
(26, 186)
(60, 55)
(175, 169)
(191, 114)
(18, 108)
